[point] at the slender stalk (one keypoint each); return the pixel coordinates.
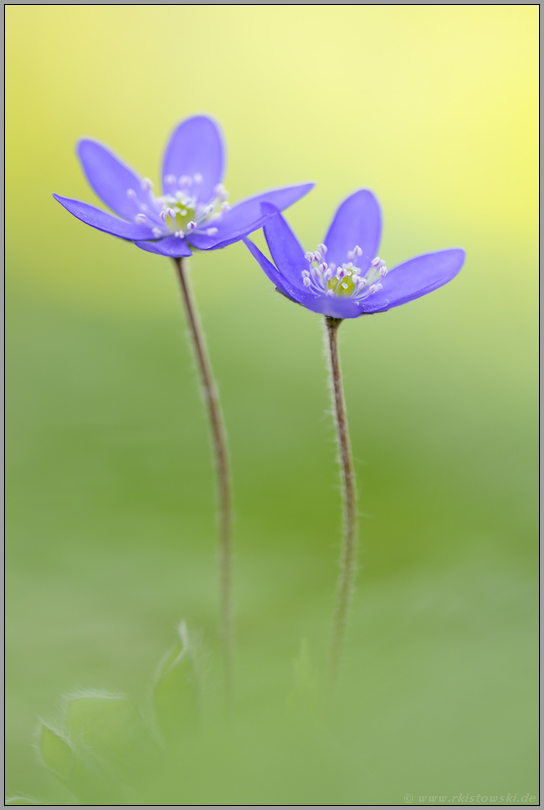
(219, 438)
(349, 490)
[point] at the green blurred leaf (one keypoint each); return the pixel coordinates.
(56, 752)
(176, 692)
(103, 722)
(304, 700)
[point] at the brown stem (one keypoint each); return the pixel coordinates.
(349, 488)
(219, 437)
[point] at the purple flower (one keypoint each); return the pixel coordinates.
(192, 211)
(344, 278)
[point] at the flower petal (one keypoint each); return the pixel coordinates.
(202, 241)
(243, 214)
(171, 246)
(274, 275)
(285, 249)
(248, 216)
(335, 307)
(357, 221)
(196, 147)
(111, 179)
(417, 277)
(103, 221)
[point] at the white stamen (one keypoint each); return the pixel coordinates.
(307, 282)
(179, 234)
(170, 180)
(157, 232)
(374, 288)
(357, 251)
(344, 285)
(305, 274)
(162, 215)
(185, 181)
(191, 225)
(225, 207)
(309, 256)
(383, 271)
(323, 249)
(375, 262)
(171, 213)
(212, 231)
(147, 185)
(140, 219)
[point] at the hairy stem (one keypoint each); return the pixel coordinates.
(219, 438)
(349, 490)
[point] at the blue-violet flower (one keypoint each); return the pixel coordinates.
(344, 278)
(192, 211)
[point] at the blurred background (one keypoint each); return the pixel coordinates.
(110, 500)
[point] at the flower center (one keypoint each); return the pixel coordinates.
(346, 280)
(179, 212)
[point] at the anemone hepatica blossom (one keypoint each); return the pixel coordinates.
(344, 278)
(192, 211)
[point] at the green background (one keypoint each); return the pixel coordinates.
(111, 535)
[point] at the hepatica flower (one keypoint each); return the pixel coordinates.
(192, 211)
(344, 278)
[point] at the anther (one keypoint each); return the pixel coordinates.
(157, 232)
(140, 219)
(357, 251)
(383, 271)
(374, 288)
(375, 262)
(323, 249)
(306, 281)
(171, 213)
(191, 225)
(212, 231)
(147, 185)
(305, 274)
(225, 207)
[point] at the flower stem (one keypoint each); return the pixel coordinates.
(219, 438)
(349, 489)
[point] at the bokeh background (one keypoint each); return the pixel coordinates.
(110, 512)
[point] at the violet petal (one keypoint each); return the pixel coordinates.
(111, 179)
(274, 275)
(357, 221)
(417, 277)
(171, 246)
(196, 147)
(104, 221)
(285, 249)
